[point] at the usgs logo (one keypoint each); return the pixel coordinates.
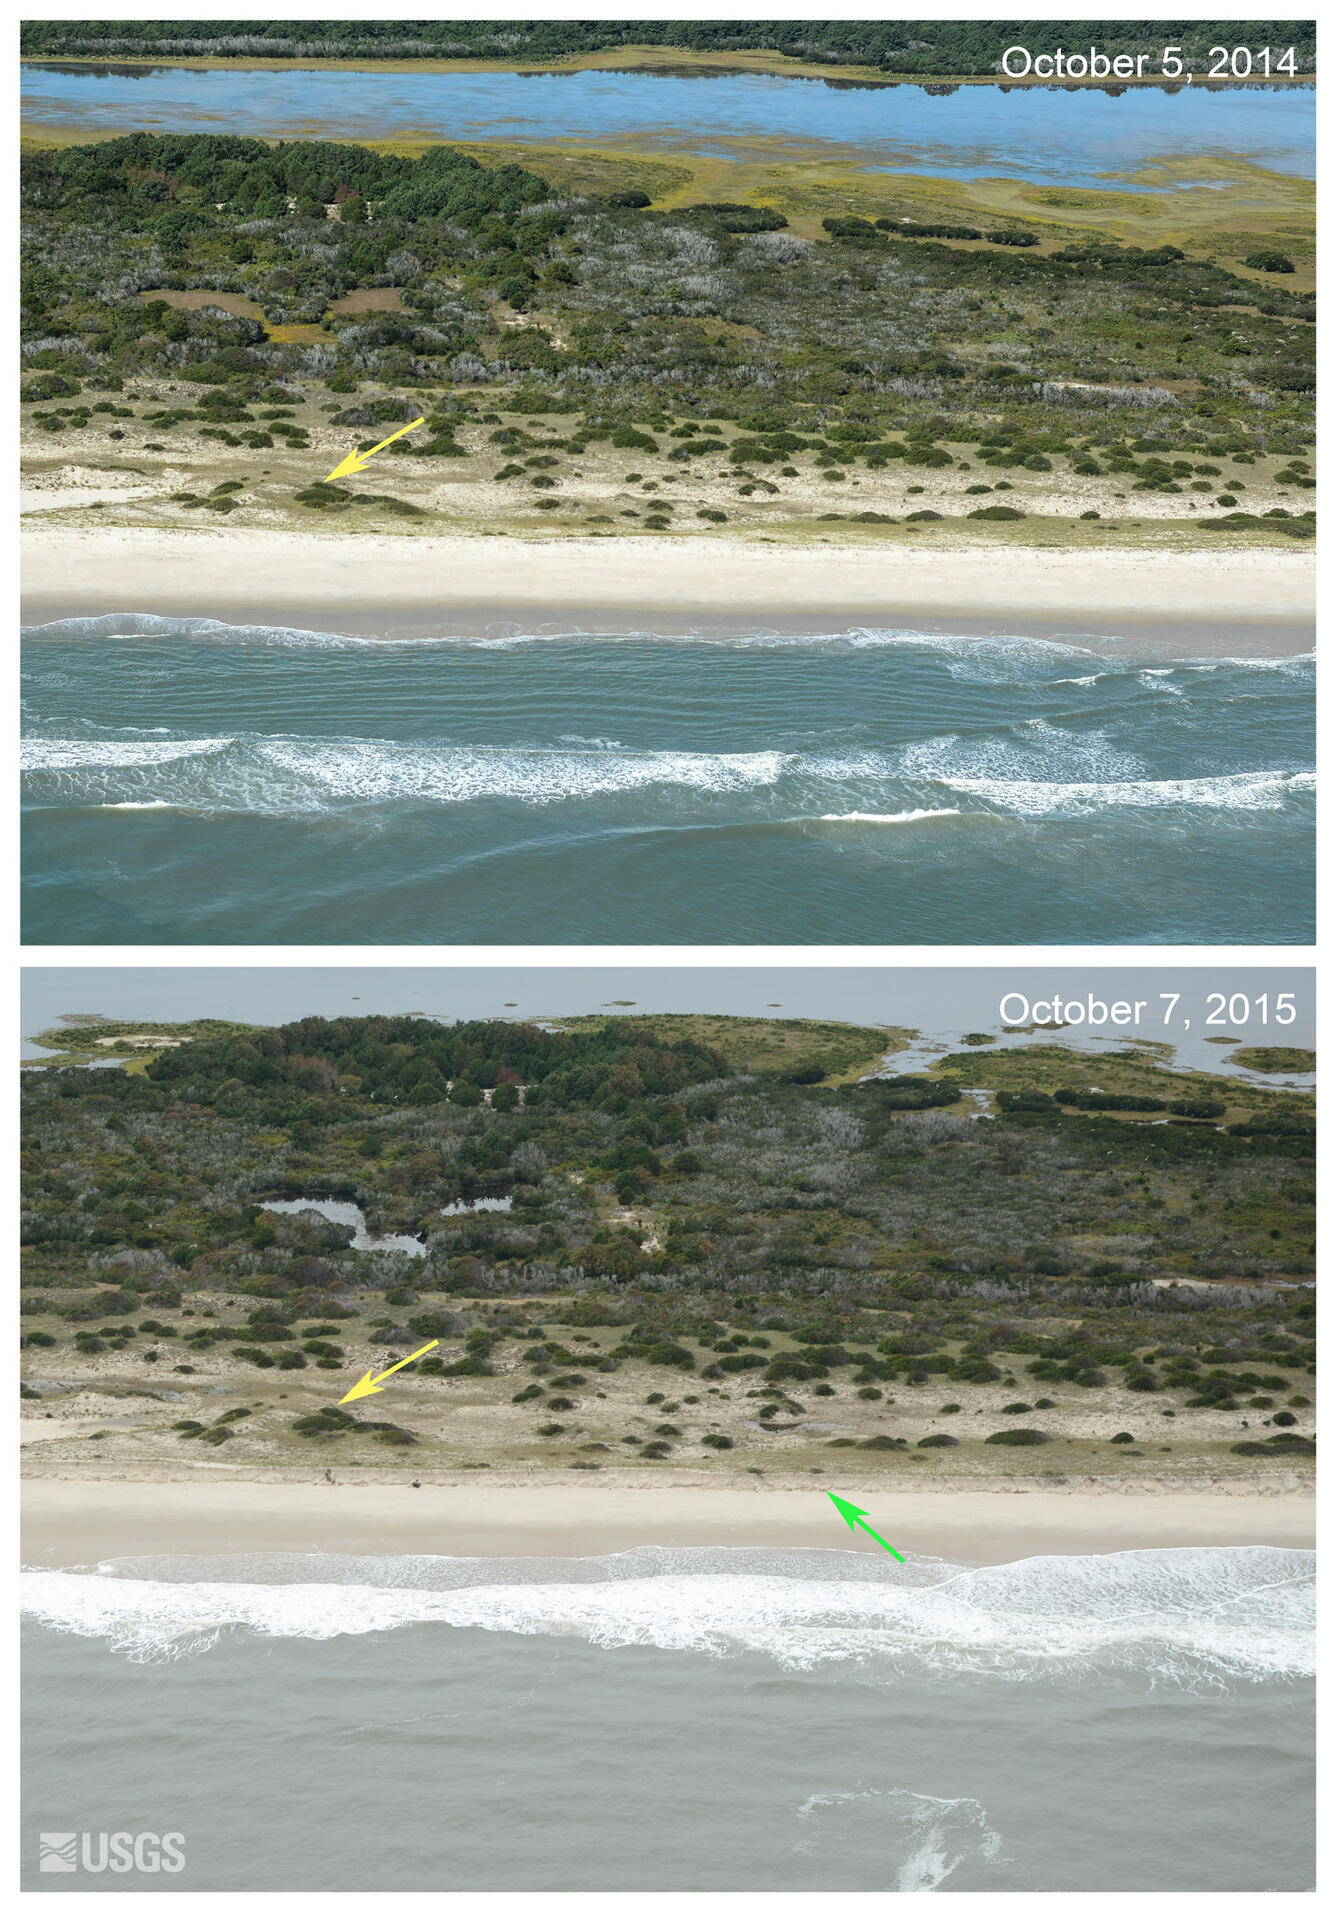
(111, 1852)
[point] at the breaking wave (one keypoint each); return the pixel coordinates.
(1183, 1616)
(884, 816)
(1245, 790)
(1033, 775)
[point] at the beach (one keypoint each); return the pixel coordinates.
(70, 1523)
(1189, 601)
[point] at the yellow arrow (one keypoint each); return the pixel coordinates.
(370, 1383)
(357, 460)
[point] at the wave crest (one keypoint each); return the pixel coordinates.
(1189, 1615)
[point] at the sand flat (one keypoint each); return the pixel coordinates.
(78, 1522)
(1204, 598)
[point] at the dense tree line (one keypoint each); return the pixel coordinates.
(960, 48)
(396, 1059)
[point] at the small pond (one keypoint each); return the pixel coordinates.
(352, 1217)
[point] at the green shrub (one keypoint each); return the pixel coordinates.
(325, 1420)
(939, 1440)
(433, 1326)
(1276, 1444)
(720, 1441)
(1018, 1437)
(1269, 261)
(323, 497)
(667, 1354)
(792, 1368)
(996, 514)
(976, 1369)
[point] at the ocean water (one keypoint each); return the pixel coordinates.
(1076, 136)
(710, 1718)
(193, 781)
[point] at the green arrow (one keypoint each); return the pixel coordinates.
(854, 1517)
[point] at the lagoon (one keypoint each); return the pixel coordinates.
(1078, 136)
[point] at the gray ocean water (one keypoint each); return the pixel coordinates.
(724, 1718)
(188, 780)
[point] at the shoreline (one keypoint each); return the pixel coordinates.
(78, 1522)
(653, 56)
(1242, 601)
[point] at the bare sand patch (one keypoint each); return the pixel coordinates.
(371, 298)
(68, 1522)
(326, 577)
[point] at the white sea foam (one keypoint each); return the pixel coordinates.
(1039, 772)
(1245, 790)
(112, 753)
(376, 772)
(925, 1838)
(884, 816)
(1179, 1615)
(986, 648)
(1037, 749)
(1160, 680)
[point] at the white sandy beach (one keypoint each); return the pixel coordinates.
(267, 575)
(78, 1522)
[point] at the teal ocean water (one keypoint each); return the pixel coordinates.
(1076, 136)
(725, 1719)
(194, 781)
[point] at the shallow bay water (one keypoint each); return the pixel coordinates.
(1077, 136)
(707, 1718)
(191, 781)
